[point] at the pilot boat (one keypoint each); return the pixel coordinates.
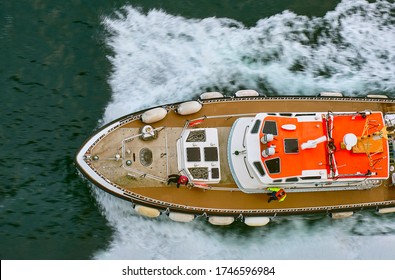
(329, 153)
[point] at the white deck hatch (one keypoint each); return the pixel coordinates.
(198, 155)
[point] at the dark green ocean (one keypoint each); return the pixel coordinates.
(67, 67)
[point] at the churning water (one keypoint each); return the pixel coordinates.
(160, 58)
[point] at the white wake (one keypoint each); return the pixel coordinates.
(159, 58)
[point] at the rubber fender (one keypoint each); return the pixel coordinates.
(256, 221)
(188, 108)
(376, 96)
(154, 115)
(386, 210)
(341, 215)
(147, 211)
(331, 94)
(181, 217)
(211, 94)
(246, 93)
(220, 221)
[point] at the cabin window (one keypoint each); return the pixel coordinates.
(210, 154)
(291, 146)
(311, 178)
(270, 127)
(273, 165)
(259, 167)
(193, 154)
(304, 114)
(215, 173)
(256, 126)
(292, 179)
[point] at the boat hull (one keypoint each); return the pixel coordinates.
(223, 199)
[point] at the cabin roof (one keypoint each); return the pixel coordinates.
(369, 154)
(314, 146)
(289, 159)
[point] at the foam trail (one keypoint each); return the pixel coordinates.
(159, 58)
(360, 237)
(163, 58)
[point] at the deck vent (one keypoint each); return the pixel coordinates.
(197, 136)
(199, 172)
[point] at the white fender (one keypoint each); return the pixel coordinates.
(220, 221)
(188, 108)
(154, 115)
(386, 210)
(147, 211)
(376, 96)
(256, 221)
(341, 215)
(246, 93)
(211, 94)
(331, 94)
(181, 217)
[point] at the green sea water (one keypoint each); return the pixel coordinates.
(59, 79)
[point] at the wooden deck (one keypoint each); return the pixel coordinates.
(147, 184)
